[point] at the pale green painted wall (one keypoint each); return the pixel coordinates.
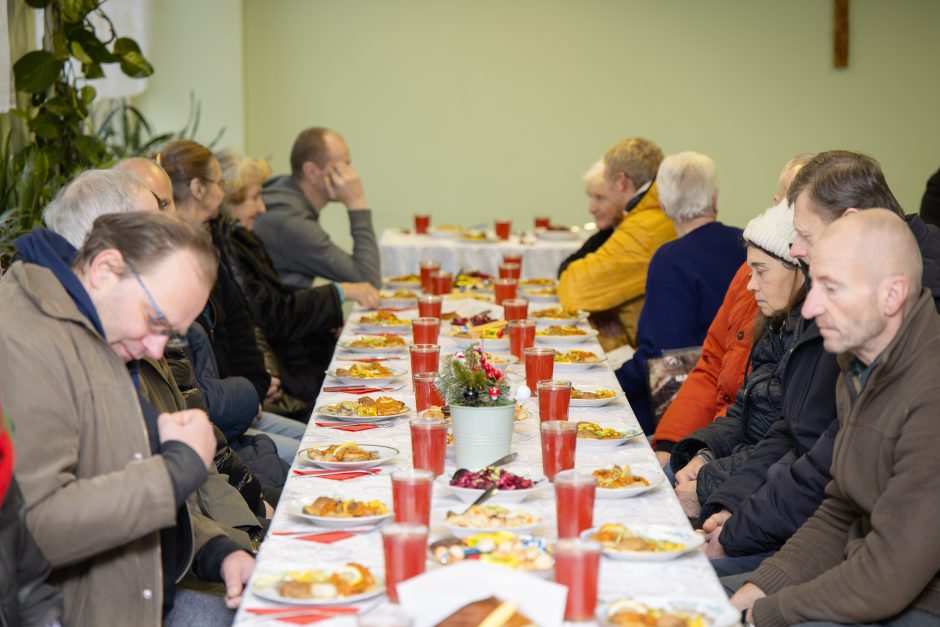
(474, 110)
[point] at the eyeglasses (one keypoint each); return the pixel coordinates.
(162, 203)
(159, 324)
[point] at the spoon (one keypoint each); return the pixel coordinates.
(502, 461)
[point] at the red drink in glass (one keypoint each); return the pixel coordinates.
(404, 547)
(502, 228)
(442, 283)
(510, 270)
(426, 331)
(554, 398)
(422, 222)
(539, 366)
(411, 495)
(426, 394)
(515, 309)
(428, 268)
(542, 223)
(577, 563)
(429, 306)
(559, 439)
(425, 357)
(513, 258)
(574, 495)
(503, 289)
(521, 336)
(429, 444)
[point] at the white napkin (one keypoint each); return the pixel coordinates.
(438, 593)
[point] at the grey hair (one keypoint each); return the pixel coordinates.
(595, 173)
(687, 186)
(91, 194)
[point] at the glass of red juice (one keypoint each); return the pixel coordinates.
(554, 398)
(515, 309)
(502, 228)
(429, 306)
(429, 444)
(521, 336)
(425, 357)
(559, 439)
(442, 283)
(504, 289)
(509, 270)
(574, 496)
(404, 547)
(411, 495)
(426, 394)
(542, 222)
(539, 366)
(426, 330)
(422, 222)
(513, 258)
(427, 269)
(577, 563)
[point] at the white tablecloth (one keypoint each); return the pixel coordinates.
(402, 252)
(689, 577)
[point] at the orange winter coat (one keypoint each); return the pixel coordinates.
(712, 384)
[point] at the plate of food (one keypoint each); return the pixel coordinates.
(399, 298)
(383, 321)
(556, 232)
(365, 409)
(473, 281)
(446, 231)
(674, 612)
(565, 334)
(500, 361)
(620, 482)
(537, 283)
(513, 488)
(478, 237)
(556, 315)
(593, 435)
(403, 281)
(646, 543)
(338, 512)
(327, 585)
(371, 373)
(346, 456)
(577, 360)
(374, 344)
(529, 554)
(590, 396)
(493, 334)
(541, 294)
(490, 517)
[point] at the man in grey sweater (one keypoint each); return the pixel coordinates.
(299, 246)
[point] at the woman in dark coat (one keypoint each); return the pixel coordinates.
(706, 458)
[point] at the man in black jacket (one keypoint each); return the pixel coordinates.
(782, 483)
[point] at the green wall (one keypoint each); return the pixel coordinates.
(473, 110)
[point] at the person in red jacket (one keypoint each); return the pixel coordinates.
(712, 384)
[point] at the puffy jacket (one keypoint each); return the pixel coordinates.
(611, 282)
(714, 382)
(757, 406)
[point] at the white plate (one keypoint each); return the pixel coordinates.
(688, 537)
(566, 366)
(469, 495)
(547, 322)
(398, 303)
(368, 381)
(392, 329)
(466, 532)
(589, 334)
(655, 479)
(402, 285)
(536, 286)
(592, 402)
(268, 591)
(612, 443)
(556, 235)
(444, 233)
(491, 345)
(385, 453)
(540, 298)
(344, 344)
(365, 419)
(296, 508)
(714, 614)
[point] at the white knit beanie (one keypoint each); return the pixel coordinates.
(773, 231)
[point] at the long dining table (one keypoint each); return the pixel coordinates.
(295, 544)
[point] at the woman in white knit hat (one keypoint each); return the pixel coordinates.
(705, 459)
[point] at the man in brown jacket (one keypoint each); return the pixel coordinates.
(869, 553)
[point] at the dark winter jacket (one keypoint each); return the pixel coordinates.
(757, 406)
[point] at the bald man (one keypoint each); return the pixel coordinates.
(869, 554)
(151, 175)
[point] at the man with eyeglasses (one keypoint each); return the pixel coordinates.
(153, 177)
(104, 477)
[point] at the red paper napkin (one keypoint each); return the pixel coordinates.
(337, 475)
(328, 537)
(333, 610)
(341, 426)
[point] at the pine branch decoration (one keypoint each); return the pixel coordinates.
(467, 379)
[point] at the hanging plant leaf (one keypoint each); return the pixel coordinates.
(91, 45)
(133, 62)
(92, 70)
(45, 125)
(89, 148)
(36, 71)
(88, 94)
(59, 105)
